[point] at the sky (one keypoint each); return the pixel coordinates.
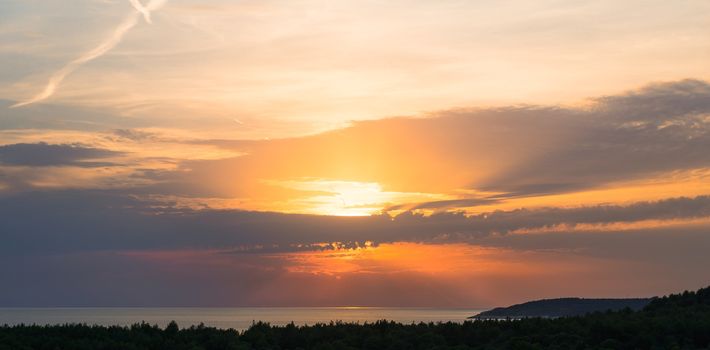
(352, 153)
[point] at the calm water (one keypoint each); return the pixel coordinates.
(237, 318)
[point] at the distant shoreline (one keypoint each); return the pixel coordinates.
(561, 307)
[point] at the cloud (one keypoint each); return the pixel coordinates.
(93, 248)
(106, 221)
(135, 135)
(511, 151)
(114, 39)
(442, 204)
(453, 159)
(171, 279)
(659, 128)
(142, 10)
(498, 153)
(61, 117)
(44, 154)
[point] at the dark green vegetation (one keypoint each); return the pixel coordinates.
(563, 307)
(679, 321)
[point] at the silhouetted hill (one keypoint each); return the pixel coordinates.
(562, 307)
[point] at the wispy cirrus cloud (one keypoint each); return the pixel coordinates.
(114, 39)
(145, 11)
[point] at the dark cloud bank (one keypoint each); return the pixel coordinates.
(43, 154)
(71, 221)
(89, 248)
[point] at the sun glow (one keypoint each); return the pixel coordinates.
(428, 259)
(348, 198)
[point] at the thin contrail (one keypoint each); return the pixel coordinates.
(98, 51)
(142, 9)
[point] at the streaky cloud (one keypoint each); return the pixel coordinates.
(116, 37)
(87, 220)
(501, 153)
(43, 154)
(142, 9)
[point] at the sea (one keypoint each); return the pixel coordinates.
(236, 318)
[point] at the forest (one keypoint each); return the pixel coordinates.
(677, 321)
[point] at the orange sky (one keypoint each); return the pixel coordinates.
(488, 152)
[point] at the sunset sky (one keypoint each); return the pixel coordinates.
(352, 153)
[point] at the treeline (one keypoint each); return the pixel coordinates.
(679, 321)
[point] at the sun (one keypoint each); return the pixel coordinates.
(347, 198)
